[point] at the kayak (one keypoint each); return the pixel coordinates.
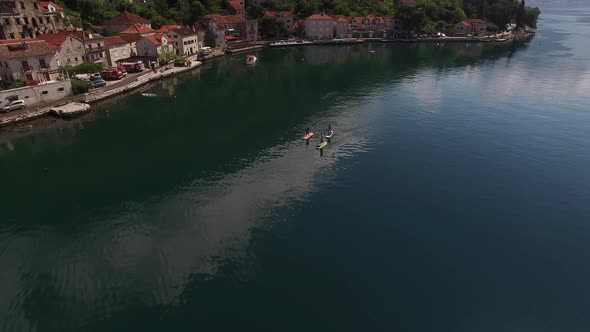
(308, 136)
(330, 134)
(321, 145)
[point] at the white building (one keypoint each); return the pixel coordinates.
(319, 26)
(117, 49)
(31, 61)
(184, 41)
(152, 45)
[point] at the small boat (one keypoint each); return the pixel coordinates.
(330, 134)
(321, 145)
(307, 136)
(149, 95)
(251, 59)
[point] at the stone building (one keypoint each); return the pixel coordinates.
(29, 18)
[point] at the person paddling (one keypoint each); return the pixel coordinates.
(307, 131)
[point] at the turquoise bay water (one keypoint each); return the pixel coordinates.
(453, 197)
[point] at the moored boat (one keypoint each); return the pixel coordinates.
(251, 59)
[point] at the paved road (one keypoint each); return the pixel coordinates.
(110, 85)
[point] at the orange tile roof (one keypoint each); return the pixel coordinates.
(155, 39)
(57, 38)
(26, 49)
(168, 28)
(138, 28)
(227, 19)
(236, 5)
(115, 40)
(319, 17)
(126, 18)
(45, 5)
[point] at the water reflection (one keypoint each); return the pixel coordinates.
(175, 191)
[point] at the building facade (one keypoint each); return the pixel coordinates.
(284, 16)
(341, 28)
(184, 41)
(319, 26)
(29, 18)
(117, 49)
(152, 45)
(31, 61)
(472, 26)
(70, 48)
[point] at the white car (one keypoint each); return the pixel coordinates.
(15, 105)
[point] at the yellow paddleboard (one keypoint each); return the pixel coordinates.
(321, 145)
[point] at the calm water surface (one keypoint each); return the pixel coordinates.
(454, 196)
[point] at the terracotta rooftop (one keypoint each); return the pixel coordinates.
(115, 40)
(235, 5)
(342, 19)
(57, 38)
(126, 18)
(155, 39)
(138, 29)
(279, 13)
(476, 21)
(26, 49)
(168, 28)
(45, 5)
(185, 32)
(320, 17)
(131, 38)
(227, 19)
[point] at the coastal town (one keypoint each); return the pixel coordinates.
(46, 61)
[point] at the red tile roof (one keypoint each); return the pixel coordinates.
(227, 19)
(279, 13)
(126, 18)
(131, 38)
(56, 39)
(476, 21)
(45, 5)
(185, 32)
(236, 5)
(319, 17)
(115, 40)
(342, 19)
(155, 39)
(138, 28)
(26, 49)
(168, 28)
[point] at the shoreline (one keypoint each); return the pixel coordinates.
(96, 97)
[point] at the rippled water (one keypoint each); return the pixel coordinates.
(453, 196)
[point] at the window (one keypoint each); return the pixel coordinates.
(76, 59)
(44, 92)
(68, 60)
(26, 19)
(36, 5)
(17, 20)
(22, 5)
(61, 89)
(43, 64)
(7, 21)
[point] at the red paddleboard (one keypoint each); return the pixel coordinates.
(308, 136)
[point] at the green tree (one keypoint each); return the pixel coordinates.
(271, 27)
(17, 84)
(255, 12)
(412, 18)
(520, 15)
(502, 12)
(531, 16)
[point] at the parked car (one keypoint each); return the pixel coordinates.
(95, 76)
(423, 35)
(15, 105)
(97, 83)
